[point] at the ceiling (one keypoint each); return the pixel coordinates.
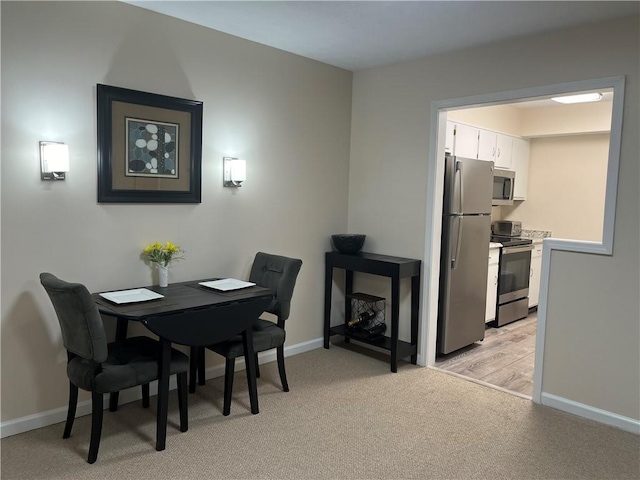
(356, 35)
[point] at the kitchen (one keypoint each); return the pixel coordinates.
(559, 155)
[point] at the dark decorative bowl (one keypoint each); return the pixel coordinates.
(348, 242)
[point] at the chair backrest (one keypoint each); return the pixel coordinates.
(82, 329)
(279, 275)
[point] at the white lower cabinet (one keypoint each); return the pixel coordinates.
(492, 285)
(536, 268)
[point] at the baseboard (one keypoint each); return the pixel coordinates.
(51, 417)
(592, 413)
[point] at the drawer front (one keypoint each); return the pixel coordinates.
(494, 255)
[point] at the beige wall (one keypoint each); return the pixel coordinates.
(567, 182)
(499, 118)
(287, 115)
(566, 120)
(538, 121)
(591, 354)
(567, 167)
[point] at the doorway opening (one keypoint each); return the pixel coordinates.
(527, 359)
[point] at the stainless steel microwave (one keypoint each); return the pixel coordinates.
(503, 183)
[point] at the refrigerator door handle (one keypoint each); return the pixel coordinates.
(459, 172)
(454, 260)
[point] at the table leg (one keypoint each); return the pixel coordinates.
(348, 290)
(121, 333)
(415, 305)
(328, 284)
(249, 361)
(194, 353)
(163, 393)
(395, 317)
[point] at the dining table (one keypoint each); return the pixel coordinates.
(191, 314)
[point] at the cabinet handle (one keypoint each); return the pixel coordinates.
(531, 272)
(498, 154)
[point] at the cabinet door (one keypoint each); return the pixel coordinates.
(449, 139)
(487, 145)
(466, 141)
(520, 164)
(492, 285)
(534, 280)
(504, 145)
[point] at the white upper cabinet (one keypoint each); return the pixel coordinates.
(520, 164)
(487, 145)
(466, 141)
(507, 152)
(495, 147)
(450, 138)
(504, 146)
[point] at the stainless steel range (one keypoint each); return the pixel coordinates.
(513, 276)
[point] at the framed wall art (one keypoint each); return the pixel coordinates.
(149, 147)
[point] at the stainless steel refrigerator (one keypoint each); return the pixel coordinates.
(466, 231)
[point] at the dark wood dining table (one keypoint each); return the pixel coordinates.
(196, 316)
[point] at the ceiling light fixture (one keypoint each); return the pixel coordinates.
(581, 98)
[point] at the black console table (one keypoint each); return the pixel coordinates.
(383, 265)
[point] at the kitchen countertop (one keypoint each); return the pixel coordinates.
(493, 245)
(535, 234)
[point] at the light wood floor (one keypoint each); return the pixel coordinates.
(504, 358)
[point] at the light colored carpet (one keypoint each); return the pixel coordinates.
(346, 417)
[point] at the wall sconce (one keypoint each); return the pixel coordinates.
(54, 160)
(234, 172)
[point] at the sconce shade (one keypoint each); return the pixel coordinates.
(54, 160)
(235, 172)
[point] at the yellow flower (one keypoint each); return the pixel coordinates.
(162, 254)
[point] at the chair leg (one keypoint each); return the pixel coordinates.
(145, 395)
(230, 366)
(113, 401)
(257, 367)
(96, 426)
(194, 352)
(182, 401)
(71, 412)
(201, 358)
(283, 373)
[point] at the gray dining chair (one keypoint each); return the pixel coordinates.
(100, 367)
(278, 274)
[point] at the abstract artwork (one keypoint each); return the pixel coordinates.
(149, 147)
(152, 148)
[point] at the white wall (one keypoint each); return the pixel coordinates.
(288, 116)
(591, 345)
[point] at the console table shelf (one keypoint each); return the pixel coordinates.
(395, 268)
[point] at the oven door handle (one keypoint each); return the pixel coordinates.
(518, 249)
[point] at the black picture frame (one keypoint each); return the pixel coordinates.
(118, 108)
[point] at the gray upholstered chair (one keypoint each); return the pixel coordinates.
(100, 367)
(279, 274)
